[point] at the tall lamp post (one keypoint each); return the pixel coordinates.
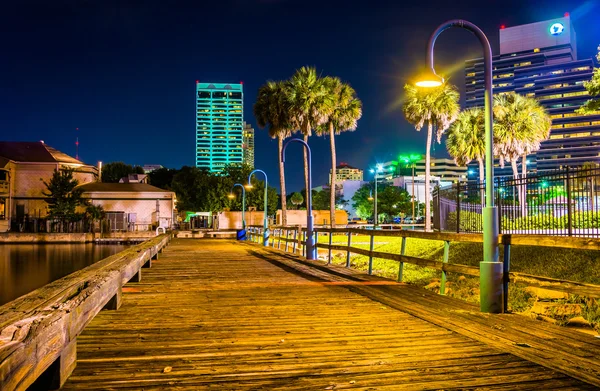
(266, 219)
(232, 196)
(491, 271)
(310, 240)
(376, 171)
(412, 160)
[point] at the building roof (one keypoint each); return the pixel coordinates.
(121, 187)
(34, 152)
(346, 165)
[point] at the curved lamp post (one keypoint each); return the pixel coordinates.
(376, 171)
(232, 196)
(491, 273)
(266, 219)
(310, 241)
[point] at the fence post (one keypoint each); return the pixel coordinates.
(303, 243)
(348, 252)
(295, 241)
(499, 204)
(446, 255)
(287, 236)
(402, 252)
(569, 215)
(372, 240)
(506, 270)
(279, 240)
(330, 238)
(458, 207)
(316, 233)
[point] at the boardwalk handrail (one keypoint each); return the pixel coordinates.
(38, 331)
(507, 240)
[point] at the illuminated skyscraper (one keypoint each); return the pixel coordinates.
(248, 145)
(539, 60)
(219, 125)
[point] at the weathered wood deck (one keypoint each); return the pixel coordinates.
(215, 314)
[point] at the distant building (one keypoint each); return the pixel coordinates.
(219, 125)
(248, 145)
(148, 168)
(540, 60)
(23, 166)
(134, 178)
(344, 171)
(443, 168)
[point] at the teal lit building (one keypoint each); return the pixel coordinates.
(219, 125)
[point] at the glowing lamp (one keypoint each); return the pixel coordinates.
(231, 196)
(371, 198)
(249, 186)
(430, 80)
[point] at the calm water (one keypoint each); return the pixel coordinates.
(26, 267)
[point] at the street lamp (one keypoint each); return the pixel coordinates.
(376, 171)
(310, 241)
(412, 160)
(491, 271)
(232, 196)
(266, 220)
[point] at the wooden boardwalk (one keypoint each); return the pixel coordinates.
(215, 314)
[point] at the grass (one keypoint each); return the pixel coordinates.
(566, 264)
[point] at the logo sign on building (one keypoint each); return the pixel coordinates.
(557, 29)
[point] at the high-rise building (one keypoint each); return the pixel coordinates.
(219, 125)
(540, 60)
(344, 172)
(248, 145)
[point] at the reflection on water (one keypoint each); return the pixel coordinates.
(26, 267)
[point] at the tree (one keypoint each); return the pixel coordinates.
(64, 197)
(297, 199)
(94, 213)
(520, 126)
(113, 172)
(272, 110)
(391, 201)
(435, 107)
(466, 140)
(344, 116)
(162, 177)
(592, 106)
(309, 104)
(190, 185)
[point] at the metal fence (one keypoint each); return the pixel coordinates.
(563, 203)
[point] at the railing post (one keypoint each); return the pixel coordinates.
(287, 237)
(273, 239)
(446, 255)
(402, 252)
(316, 233)
(348, 252)
(372, 240)
(279, 240)
(569, 214)
(457, 207)
(329, 252)
(506, 269)
(295, 241)
(303, 243)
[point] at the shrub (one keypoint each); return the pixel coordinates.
(469, 221)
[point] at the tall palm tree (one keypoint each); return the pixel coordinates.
(437, 107)
(520, 126)
(271, 110)
(466, 140)
(346, 111)
(309, 105)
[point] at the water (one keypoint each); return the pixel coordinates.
(26, 267)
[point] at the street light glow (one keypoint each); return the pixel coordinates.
(430, 80)
(230, 195)
(249, 186)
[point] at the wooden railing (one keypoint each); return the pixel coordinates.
(296, 235)
(38, 331)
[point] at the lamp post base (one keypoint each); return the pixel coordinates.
(491, 287)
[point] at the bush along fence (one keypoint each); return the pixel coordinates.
(292, 239)
(560, 203)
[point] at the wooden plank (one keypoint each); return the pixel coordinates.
(554, 241)
(572, 287)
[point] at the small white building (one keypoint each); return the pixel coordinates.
(132, 206)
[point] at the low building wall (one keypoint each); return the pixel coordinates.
(19, 237)
(320, 217)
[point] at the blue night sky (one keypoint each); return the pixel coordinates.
(124, 72)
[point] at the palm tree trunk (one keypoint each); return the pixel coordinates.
(515, 170)
(306, 167)
(428, 178)
(524, 185)
(282, 184)
(481, 182)
(333, 175)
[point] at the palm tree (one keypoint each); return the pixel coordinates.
(466, 140)
(271, 110)
(297, 199)
(347, 110)
(309, 104)
(520, 126)
(435, 107)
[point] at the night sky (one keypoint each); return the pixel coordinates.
(124, 72)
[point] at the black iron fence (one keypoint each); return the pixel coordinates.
(564, 202)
